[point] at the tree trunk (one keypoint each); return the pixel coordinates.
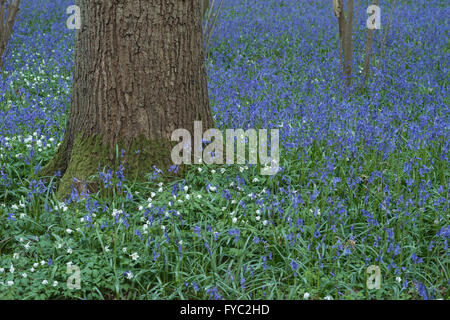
(7, 24)
(205, 7)
(139, 74)
(366, 69)
(348, 43)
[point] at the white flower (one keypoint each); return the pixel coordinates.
(213, 188)
(69, 231)
(163, 228)
(224, 208)
(22, 215)
(44, 282)
(306, 295)
(199, 196)
(188, 197)
(180, 242)
(222, 170)
(27, 246)
(134, 256)
(116, 212)
(69, 251)
(24, 275)
(186, 188)
(200, 169)
(255, 180)
(152, 194)
(160, 190)
(234, 220)
(129, 275)
(258, 218)
(107, 249)
(264, 222)
(398, 279)
(42, 262)
(35, 265)
(14, 206)
(55, 283)
(141, 208)
(2, 270)
(213, 171)
(11, 269)
(16, 256)
(10, 283)
(124, 249)
(328, 298)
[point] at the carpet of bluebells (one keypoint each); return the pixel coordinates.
(364, 178)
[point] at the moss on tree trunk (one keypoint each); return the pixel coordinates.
(90, 154)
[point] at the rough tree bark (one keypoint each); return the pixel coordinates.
(139, 74)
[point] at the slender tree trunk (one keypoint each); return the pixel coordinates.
(205, 7)
(366, 70)
(7, 24)
(139, 74)
(348, 43)
(340, 14)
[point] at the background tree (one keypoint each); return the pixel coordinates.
(345, 21)
(139, 74)
(366, 67)
(8, 13)
(210, 20)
